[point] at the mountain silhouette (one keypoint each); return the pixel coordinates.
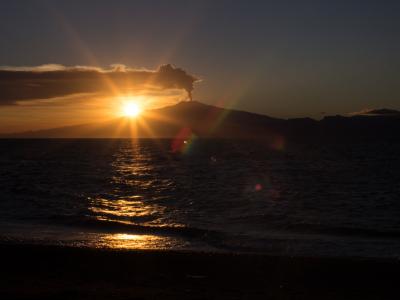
(207, 121)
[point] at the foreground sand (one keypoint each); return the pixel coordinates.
(39, 272)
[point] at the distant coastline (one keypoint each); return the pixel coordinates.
(206, 121)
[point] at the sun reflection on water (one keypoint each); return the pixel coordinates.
(123, 208)
(132, 203)
(133, 241)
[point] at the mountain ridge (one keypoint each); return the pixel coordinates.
(209, 121)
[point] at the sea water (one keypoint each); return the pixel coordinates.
(205, 195)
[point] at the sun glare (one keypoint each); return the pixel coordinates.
(131, 110)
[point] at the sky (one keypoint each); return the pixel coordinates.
(279, 58)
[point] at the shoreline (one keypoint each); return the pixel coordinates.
(55, 272)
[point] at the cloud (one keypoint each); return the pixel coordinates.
(376, 112)
(58, 81)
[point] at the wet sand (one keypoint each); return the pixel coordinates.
(50, 272)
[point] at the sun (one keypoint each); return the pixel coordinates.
(131, 109)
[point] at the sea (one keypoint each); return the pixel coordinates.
(230, 196)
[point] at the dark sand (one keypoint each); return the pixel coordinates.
(39, 272)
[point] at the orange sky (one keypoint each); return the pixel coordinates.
(53, 95)
(43, 114)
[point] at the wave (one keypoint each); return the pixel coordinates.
(113, 226)
(110, 226)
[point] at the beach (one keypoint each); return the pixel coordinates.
(55, 272)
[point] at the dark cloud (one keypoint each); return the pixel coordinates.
(376, 112)
(52, 81)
